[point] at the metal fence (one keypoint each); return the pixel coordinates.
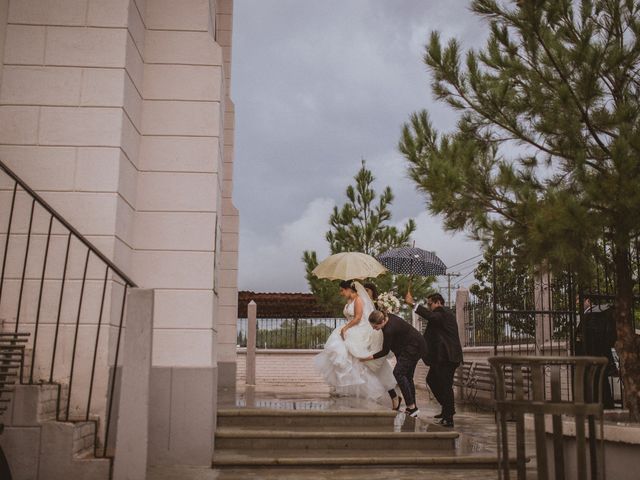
(290, 333)
(63, 291)
(478, 325)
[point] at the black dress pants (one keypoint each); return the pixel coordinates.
(403, 372)
(440, 381)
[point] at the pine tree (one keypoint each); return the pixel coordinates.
(362, 224)
(546, 152)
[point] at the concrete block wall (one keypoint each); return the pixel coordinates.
(38, 447)
(118, 113)
(70, 108)
(287, 368)
(227, 279)
(179, 186)
(283, 367)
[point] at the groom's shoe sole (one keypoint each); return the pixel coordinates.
(446, 422)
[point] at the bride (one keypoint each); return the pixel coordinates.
(339, 362)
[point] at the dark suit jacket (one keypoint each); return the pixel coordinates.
(441, 334)
(402, 339)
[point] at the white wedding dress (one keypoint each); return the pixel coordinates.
(339, 363)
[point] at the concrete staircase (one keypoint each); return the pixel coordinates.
(37, 446)
(315, 438)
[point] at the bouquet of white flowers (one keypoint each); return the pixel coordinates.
(387, 302)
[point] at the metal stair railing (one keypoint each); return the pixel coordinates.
(11, 364)
(59, 350)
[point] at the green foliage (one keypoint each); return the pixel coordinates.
(294, 333)
(362, 224)
(325, 291)
(545, 156)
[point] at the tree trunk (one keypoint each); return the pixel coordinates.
(628, 343)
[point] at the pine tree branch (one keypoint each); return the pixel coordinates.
(584, 115)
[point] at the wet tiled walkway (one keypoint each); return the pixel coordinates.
(477, 429)
(173, 473)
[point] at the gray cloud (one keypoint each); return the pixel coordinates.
(317, 86)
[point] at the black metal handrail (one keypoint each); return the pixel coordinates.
(43, 203)
(52, 367)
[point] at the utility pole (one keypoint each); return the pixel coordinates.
(449, 277)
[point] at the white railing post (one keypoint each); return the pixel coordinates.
(132, 438)
(252, 327)
(542, 304)
(462, 298)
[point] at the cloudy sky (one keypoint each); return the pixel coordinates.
(319, 85)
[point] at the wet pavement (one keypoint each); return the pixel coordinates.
(191, 473)
(476, 427)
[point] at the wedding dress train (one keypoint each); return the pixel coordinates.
(340, 365)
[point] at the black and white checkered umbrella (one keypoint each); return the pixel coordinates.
(412, 261)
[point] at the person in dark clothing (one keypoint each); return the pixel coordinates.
(408, 345)
(596, 335)
(444, 352)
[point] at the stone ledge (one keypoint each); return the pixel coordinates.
(262, 412)
(619, 432)
(280, 351)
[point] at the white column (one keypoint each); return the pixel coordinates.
(542, 302)
(132, 442)
(251, 343)
(462, 298)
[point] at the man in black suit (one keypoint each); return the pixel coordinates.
(596, 336)
(444, 352)
(408, 345)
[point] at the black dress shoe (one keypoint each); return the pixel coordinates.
(441, 415)
(412, 412)
(446, 422)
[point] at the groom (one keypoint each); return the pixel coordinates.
(444, 352)
(408, 345)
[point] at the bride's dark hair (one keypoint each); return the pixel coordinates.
(348, 284)
(373, 288)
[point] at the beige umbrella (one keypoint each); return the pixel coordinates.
(349, 265)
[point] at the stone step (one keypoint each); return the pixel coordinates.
(34, 404)
(63, 451)
(34, 441)
(327, 440)
(248, 417)
(84, 439)
(372, 458)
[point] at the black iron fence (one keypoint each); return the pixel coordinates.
(302, 333)
(478, 325)
(538, 313)
(58, 287)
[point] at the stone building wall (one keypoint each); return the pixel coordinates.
(117, 112)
